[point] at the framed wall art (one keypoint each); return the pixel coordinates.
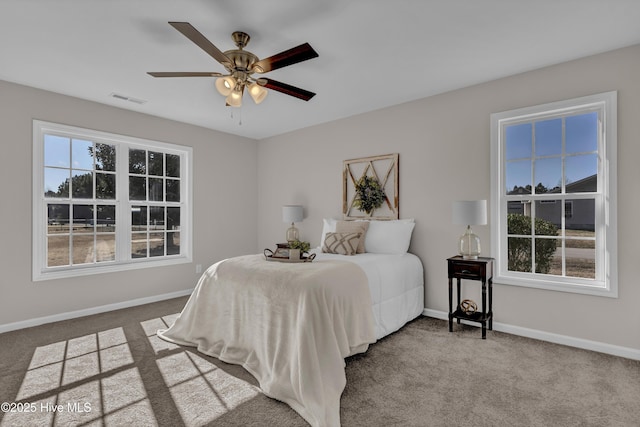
(370, 187)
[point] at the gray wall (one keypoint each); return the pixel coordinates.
(224, 224)
(443, 142)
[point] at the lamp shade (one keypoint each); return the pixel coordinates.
(292, 213)
(257, 92)
(225, 85)
(470, 212)
(235, 98)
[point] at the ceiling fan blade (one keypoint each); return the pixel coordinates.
(195, 36)
(288, 57)
(288, 89)
(184, 74)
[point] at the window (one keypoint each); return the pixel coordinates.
(105, 202)
(554, 195)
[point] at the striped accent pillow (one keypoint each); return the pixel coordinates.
(341, 243)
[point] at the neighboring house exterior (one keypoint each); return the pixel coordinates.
(579, 213)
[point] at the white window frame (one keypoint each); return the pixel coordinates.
(606, 281)
(123, 260)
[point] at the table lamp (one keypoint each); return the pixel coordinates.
(292, 214)
(469, 212)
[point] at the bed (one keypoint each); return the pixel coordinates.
(292, 325)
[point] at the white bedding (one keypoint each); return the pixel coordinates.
(294, 338)
(396, 283)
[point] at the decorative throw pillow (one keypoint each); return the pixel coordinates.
(341, 243)
(354, 227)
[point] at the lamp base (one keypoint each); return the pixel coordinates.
(292, 233)
(469, 245)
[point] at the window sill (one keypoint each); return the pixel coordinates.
(63, 273)
(596, 288)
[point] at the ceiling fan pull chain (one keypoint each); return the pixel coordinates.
(240, 112)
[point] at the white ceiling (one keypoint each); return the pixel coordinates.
(372, 53)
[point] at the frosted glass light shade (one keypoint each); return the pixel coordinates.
(225, 85)
(235, 98)
(257, 92)
(469, 212)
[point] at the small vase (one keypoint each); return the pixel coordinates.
(294, 254)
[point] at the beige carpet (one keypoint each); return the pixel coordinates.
(110, 369)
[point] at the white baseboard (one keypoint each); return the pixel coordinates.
(615, 350)
(89, 311)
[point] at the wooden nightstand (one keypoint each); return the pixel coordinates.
(480, 269)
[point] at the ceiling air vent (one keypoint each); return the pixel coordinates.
(128, 98)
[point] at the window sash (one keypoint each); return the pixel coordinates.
(605, 282)
(123, 259)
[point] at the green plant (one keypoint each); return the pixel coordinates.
(369, 194)
(297, 244)
(520, 247)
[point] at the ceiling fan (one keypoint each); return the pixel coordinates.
(241, 65)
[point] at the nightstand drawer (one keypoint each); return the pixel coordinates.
(469, 270)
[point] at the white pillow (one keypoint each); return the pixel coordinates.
(389, 237)
(328, 226)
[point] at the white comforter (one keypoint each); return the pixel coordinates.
(289, 325)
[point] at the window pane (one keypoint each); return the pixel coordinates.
(582, 133)
(137, 161)
(156, 244)
(173, 243)
(106, 219)
(548, 217)
(82, 184)
(56, 182)
(519, 253)
(105, 247)
(173, 165)
(57, 251)
(83, 219)
(81, 154)
(156, 163)
(519, 223)
(173, 218)
(581, 262)
(137, 188)
(105, 155)
(549, 137)
(57, 219)
(546, 254)
(581, 173)
(138, 218)
(105, 186)
(156, 218)
(583, 217)
(156, 190)
(138, 245)
(83, 252)
(173, 190)
(57, 151)
(548, 175)
(518, 141)
(518, 177)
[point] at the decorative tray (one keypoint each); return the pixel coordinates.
(268, 255)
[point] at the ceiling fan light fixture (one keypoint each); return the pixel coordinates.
(257, 92)
(225, 85)
(235, 98)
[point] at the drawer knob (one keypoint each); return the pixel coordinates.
(465, 272)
